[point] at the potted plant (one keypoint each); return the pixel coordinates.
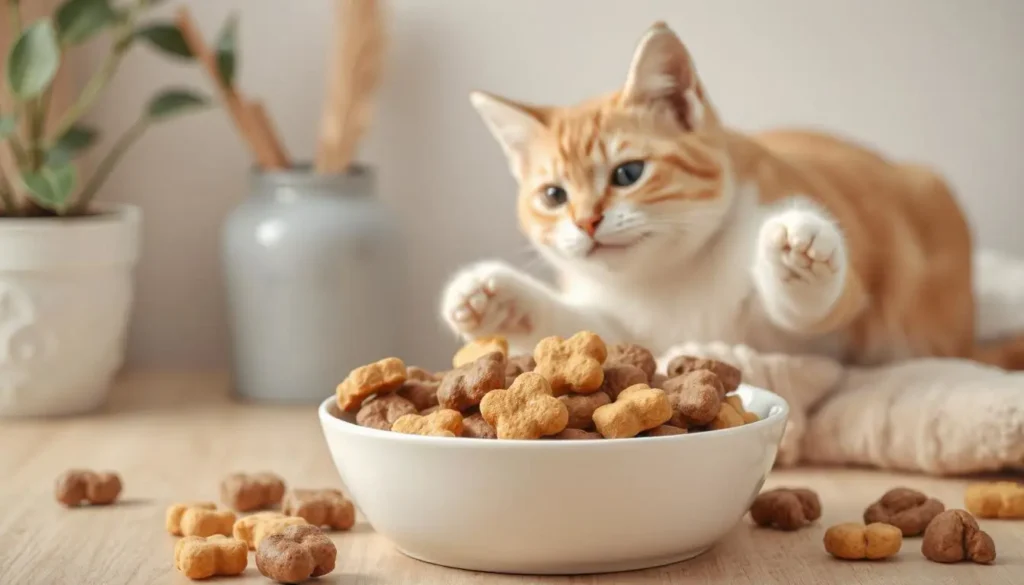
(66, 262)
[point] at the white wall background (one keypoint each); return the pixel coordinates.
(937, 81)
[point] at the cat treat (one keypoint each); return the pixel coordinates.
(1001, 499)
(786, 508)
(581, 408)
(466, 385)
(572, 365)
(476, 427)
(380, 412)
(442, 422)
(696, 398)
(619, 376)
(526, 410)
(853, 542)
(955, 536)
(296, 554)
(254, 528)
(634, 355)
(478, 348)
(909, 510)
(637, 409)
(199, 519)
(730, 376)
(198, 558)
(386, 375)
(324, 507)
(77, 486)
(246, 492)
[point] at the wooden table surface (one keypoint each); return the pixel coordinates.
(173, 436)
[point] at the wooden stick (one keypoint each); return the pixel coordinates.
(267, 133)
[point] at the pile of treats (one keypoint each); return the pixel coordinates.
(571, 389)
(290, 545)
(949, 536)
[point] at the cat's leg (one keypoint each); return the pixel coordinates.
(802, 272)
(492, 298)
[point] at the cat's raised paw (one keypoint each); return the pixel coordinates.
(488, 298)
(802, 246)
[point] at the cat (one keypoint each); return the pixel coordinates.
(665, 226)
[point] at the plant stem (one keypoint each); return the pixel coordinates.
(107, 165)
(14, 15)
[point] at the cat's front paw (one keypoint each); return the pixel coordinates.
(488, 298)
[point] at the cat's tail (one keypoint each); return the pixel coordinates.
(999, 296)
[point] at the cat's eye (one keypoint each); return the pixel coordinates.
(555, 196)
(628, 173)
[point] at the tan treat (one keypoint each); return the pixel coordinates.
(296, 554)
(735, 402)
(476, 427)
(1001, 499)
(576, 435)
(175, 512)
(205, 522)
(571, 365)
(618, 377)
(696, 398)
(634, 355)
(478, 348)
(786, 508)
(246, 492)
(581, 408)
(201, 558)
(380, 412)
(82, 485)
(906, 509)
(854, 542)
(726, 418)
(729, 375)
(254, 528)
(421, 374)
(440, 423)
(519, 364)
(386, 375)
(955, 536)
(464, 387)
(663, 431)
(421, 393)
(637, 409)
(749, 417)
(527, 410)
(326, 507)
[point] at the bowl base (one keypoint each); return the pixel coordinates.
(572, 569)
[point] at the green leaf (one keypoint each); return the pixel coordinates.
(52, 185)
(172, 102)
(8, 125)
(80, 20)
(226, 41)
(75, 140)
(33, 61)
(166, 38)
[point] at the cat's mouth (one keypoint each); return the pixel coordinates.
(614, 247)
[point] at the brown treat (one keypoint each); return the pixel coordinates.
(295, 554)
(429, 411)
(422, 393)
(906, 509)
(82, 485)
(663, 431)
(726, 418)
(326, 507)
(527, 410)
(785, 508)
(696, 398)
(380, 412)
(618, 377)
(172, 519)
(201, 558)
(509, 380)
(254, 528)
(440, 423)
(205, 522)
(381, 377)
(634, 355)
(519, 364)
(1001, 499)
(576, 435)
(465, 386)
(729, 375)
(246, 492)
(658, 380)
(955, 536)
(572, 365)
(581, 408)
(854, 542)
(421, 375)
(637, 409)
(476, 427)
(478, 348)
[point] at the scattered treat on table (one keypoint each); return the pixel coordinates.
(618, 377)
(443, 422)
(76, 486)
(380, 412)
(1001, 499)
(664, 431)
(296, 554)
(478, 348)
(853, 542)
(519, 364)
(581, 408)
(730, 376)
(955, 536)
(526, 410)
(324, 507)
(786, 508)
(465, 386)
(634, 355)
(906, 509)
(571, 365)
(246, 492)
(172, 519)
(696, 398)
(200, 519)
(201, 558)
(254, 528)
(474, 426)
(421, 393)
(637, 409)
(381, 377)
(576, 435)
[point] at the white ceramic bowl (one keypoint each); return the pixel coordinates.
(556, 507)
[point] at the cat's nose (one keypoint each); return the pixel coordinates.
(589, 224)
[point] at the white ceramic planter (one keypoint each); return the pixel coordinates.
(65, 298)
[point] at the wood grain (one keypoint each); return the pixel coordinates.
(172, 436)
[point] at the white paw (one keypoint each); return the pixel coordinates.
(486, 299)
(804, 251)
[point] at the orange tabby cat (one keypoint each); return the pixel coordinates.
(665, 226)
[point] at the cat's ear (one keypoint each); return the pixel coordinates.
(514, 126)
(662, 72)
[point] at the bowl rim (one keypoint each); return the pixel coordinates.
(328, 420)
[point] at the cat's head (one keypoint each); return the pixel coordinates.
(625, 181)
